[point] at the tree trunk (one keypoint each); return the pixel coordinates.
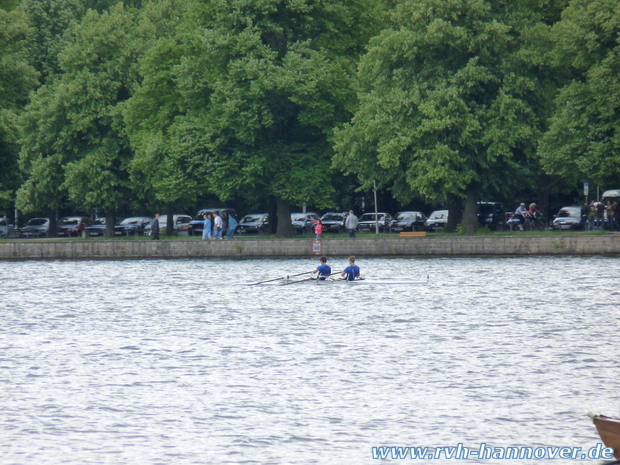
(52, 231)
(470, 212)
(169, 219)
(543, 191)
(455, 212)
(285, 226)
(110, 218)
(273, 214)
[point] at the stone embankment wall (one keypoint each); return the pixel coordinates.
(299, 248)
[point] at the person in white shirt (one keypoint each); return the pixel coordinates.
(217, 226)
(351, 224)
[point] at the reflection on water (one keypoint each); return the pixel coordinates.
(179, 362)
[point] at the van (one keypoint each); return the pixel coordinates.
(196, 226)
(613, 195)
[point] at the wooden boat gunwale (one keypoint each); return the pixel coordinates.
(609, 430)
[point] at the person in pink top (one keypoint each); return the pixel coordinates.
(318, 229)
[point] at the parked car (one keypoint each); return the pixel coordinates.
(254, 223)
(302, 222)
(334, 222)
(492, 215)
(181, 223)
(36, 227)
(97, 228)
(612, 195)
(73, 225)
(132, 226)
(438, 219)
(570, 218)
(409, 221)
(196, 226)
(7, 230)
(367, 222)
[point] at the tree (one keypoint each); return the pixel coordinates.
(450, 105)
(75, 145)
(248, 93)
(17, 79)
(160, 161)
(50, 20)
(583, 141)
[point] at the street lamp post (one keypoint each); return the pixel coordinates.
(376, 211)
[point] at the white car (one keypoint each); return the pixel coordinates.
(181, 223)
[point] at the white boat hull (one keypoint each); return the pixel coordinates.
(357, 282)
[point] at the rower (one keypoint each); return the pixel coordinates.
(323, 269)
(352, 271)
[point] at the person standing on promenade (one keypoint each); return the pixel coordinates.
(351, 224)
(206, 232)
(352, 271)
(323, 269)
(591, 209)
(318, 229)
(217, 226)
(600, 216)
(155, 227)
(609, 209)
(232, 226)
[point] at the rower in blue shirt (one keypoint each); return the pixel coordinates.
(352, 271)
(323, 269)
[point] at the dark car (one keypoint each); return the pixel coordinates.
(333, 222)
(7, 230)
(492, 215)
(302, 222)
(132, 226)
(73, 225)
(36, 227)
(367, 222)
(196, 226)
(97, 228)
(438, 219)
(254, 223)
(570, 218)
(409, 221)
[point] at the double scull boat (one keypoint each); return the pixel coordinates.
(356, 282)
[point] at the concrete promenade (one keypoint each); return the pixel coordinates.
(302, 248)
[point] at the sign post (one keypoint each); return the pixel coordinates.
(586, 190)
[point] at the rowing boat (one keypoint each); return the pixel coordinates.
(356, 282)
(366, 281)
(609, 430)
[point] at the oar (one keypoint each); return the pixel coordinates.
(283, 277)
(309, 279)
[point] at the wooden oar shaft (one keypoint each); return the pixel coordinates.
(309, 279)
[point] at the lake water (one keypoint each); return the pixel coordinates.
(178, 362)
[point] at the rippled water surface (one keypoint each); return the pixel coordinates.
(177, 362)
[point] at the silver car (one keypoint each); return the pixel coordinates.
(7, 230)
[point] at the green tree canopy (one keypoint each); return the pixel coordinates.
(17, 79)
(50, 20)
(451, 101)
(244, 97)
(75, 145)
(583, 141)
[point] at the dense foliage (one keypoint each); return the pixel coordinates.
(110, 107)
